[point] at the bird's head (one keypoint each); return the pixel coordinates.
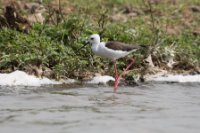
(94, 39)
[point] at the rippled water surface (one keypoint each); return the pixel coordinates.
(148, 108)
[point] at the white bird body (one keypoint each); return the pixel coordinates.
(110, 50)
(101, 50)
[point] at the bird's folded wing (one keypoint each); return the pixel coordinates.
(121, 46)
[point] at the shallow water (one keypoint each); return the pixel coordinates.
(147, 108)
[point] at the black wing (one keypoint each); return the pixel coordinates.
(121, 46)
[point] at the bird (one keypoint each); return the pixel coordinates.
(112, 50)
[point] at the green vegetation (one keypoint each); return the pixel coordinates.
(164, 26)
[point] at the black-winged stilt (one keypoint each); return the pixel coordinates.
(112, 50)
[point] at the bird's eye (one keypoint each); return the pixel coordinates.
(92, 38)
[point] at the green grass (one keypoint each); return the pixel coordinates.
(55, 46)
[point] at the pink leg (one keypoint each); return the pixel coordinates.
(116, 78)
(127, 68)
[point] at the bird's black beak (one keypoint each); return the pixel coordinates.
(85, 43)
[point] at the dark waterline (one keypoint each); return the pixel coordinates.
(147, 108)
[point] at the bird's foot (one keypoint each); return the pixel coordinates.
(116, 83)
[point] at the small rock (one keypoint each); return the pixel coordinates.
(129, 80)
(47, 72)
(196, 32)
(195, 8)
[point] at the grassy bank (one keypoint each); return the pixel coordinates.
(169, 28)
